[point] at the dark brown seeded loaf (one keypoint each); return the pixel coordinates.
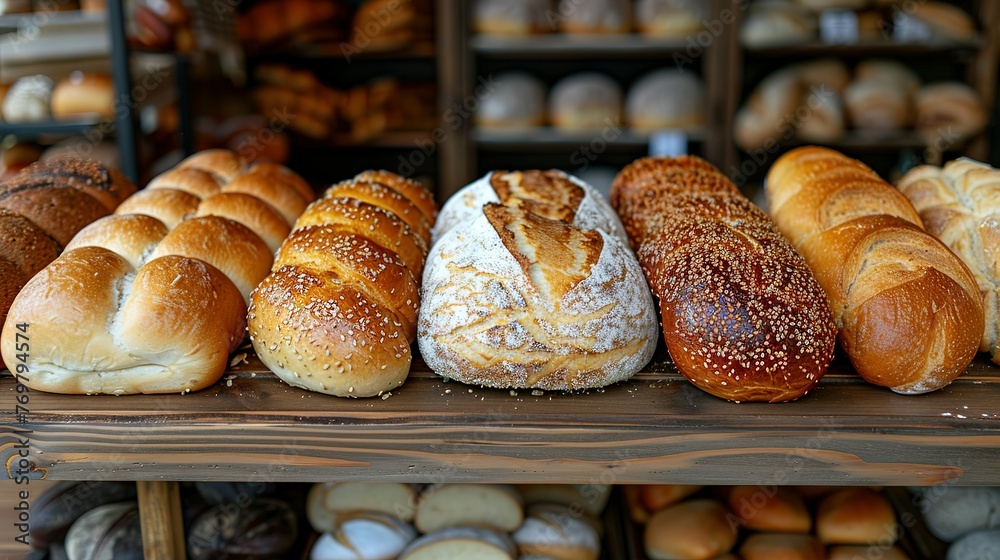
(42, 208)
(742, 315)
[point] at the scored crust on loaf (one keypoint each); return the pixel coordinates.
(131, 236)
(412, 190)
(743, 317)
(384, 197)
(108, 186)
(489, 318)
(550, 193)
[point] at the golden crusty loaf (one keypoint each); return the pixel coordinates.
(152, 299)
(42, 208)
(960, 205)
(338, 311)
(512, 299)
(692, 530)
(782, 546)
(770, 508)
(742, 315)
(856, 516)
(909, 312)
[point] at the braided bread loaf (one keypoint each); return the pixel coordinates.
(42, 208)
(153, 299)
(959, 204)
(338, 311)
(742, 316)
(517, 296)
(910, 313)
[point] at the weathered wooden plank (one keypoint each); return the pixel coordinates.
(162, 523)
(654, 428)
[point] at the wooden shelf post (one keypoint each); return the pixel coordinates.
(162, 524)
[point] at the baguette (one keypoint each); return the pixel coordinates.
(338, 311)
(152, 299)
(743, 318)
(909, 312)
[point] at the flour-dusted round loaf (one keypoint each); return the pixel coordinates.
(511, 299)
(461, 543)
(980, 545)
(557, 534)
(670, 19)
(595, 16)
(549, 193)
(513, 17)
(517, 102)
(366, 536)
(331, 502)
(493, 506)
(960, 510)
(28, 100)
(585, 101)
(665, 99)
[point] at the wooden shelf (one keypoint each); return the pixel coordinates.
(558, 45)
(656, 427)
(335, 51)
(555, 139)
(866, 49)
(35, 130)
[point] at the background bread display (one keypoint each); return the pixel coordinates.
(742, 315)
(909, 312)
(567, 307)
(338, 311)
(42, 208)
(153, 299)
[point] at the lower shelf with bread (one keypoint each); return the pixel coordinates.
(652, 428)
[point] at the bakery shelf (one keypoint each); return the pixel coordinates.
(555, 139)
(569, 45)
(35, 130)
(656, 427)
(34, 38)
(866, 49)
(332, 52)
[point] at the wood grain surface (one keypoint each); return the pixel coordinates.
(656, 427)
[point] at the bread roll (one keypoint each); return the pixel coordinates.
(856, 516)
(224, 164)
(134, 237)
(552, 194)
(364, 537)
(768, 115)
(542, 304)
(955, 204)
(888, 71)
(170, 206)
(700, 242)
(108, 532)
(945, 20)
(589, 498)
(666, 99)
(493, 506)
(596, 16)
(771, 24)
(981, 545)
(512, 17)
(909, 312)
(769, 508)
(828, 72)
(777, 546)
(336, 313)
(855, 552)
(84, 94)
(461, 543)
(557, 534)
(878, 105)
(693, 530)
(947, 109)
(655, 497)
(196, 182)
(959, 511)
(331, 502)
(28, 100)
(585, 101)
(670, 19)
(824, 120)
(517, 102)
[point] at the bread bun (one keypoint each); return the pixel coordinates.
(856, 516)
(768, 114)
(771, 24)
(84, 94)
(981, 545)
(512, 17)
(331, 502)
(568, 308)
(387, 198)
(828, 72)
(461, 543)
(693, 530)
(655, 497)
(949, 108)
(877, 105)
(196, 182)
(170, 206)
(131, 236)
(517, 102)
(945, 20)
(493, 506)
(778, 546)
(364, 537)
(959, 511)
(856, 552)
(888, 71)
(28, 100)
(224, 164)
(412, 190)
(670, 19)
(776, 509)
(824, 120)
(666, 99)
(589, 498)
(279, 196)
(597, 16)
(557, 534)
(585, 101)
(552, 194)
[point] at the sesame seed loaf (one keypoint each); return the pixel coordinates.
(909, 311)
(743, 318)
